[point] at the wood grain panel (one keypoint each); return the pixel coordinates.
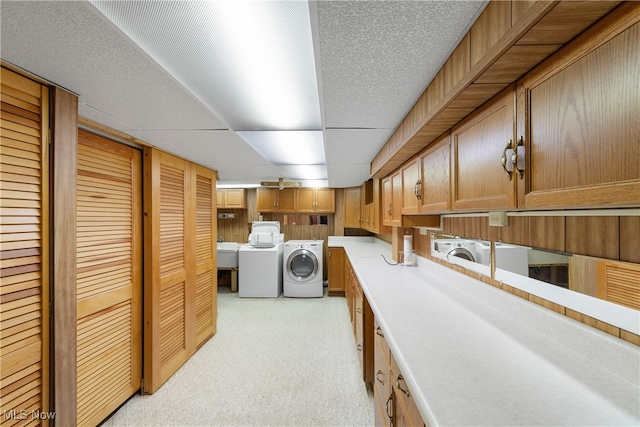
(547, 232)
(582, 232)
(517, 232)
(629, 240)
(491, 25)
(458, 64)
(109, 277)
(564, 21)
(24, 245)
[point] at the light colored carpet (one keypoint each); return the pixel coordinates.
(273, 362)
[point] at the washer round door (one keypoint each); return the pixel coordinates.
(302, 265)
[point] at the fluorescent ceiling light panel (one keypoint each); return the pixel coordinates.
(300, 172)
(250, 62)
(288, 147)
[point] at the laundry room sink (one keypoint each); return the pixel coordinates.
(228, 254)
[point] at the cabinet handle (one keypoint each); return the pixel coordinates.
(359, 347)
(401, 378)
(379, 331)
(389, 209)
(359, 310)
(378, 377)
(503, 159)
(389, 413)
(416, 190)
(514, 156)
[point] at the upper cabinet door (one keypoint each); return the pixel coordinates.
(411, 188)
(579, 116)
(325, 200)
(436, 165)
(480, 143)
(267, 199)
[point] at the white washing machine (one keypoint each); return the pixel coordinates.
(302, 269)
(260, 262)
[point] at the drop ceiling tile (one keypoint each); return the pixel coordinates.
(349, 146)
(377, 57)
(341, 176)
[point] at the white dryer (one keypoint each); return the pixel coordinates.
(302, 269)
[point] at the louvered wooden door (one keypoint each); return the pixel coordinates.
(169, 295)
(24, 263)
(109, 276)
(180, 263)
(206, 271)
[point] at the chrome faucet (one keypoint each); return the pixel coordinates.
(220, 239)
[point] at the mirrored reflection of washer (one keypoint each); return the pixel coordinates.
(302, 269)
(465, 249)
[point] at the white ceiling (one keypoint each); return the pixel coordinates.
(373, 60)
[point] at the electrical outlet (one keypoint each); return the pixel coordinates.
(498, 219)
(424, 231)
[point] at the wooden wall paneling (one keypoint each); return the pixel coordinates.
(582, 274)
(346, 199)
(491, 25)
(519, 9)
(434, 94)
(630, 239)
(517, 232)
(234, 229)
(24, 246)
(109, 276)
(64, 152)
(458, 64)
(252, 206)
(596, 236)
(563, 22)
(206, 283)
(547, 232)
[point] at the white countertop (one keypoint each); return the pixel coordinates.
(476, 355)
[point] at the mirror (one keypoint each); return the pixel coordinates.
(593, 286)
(472, 254)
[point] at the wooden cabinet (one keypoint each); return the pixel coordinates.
(392, 199)
(405, 411)
(411, 187)
(578, 116)
(316, 200)
(231, 198)
(382, 388)
(373, 209)
(336, 271)
(364, 333)
(276, 200)
(348, 287)
(479, 144)
(435, 166)
(352, 207)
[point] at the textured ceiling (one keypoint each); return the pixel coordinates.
(373, 60)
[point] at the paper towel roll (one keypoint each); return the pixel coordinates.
(408, 244)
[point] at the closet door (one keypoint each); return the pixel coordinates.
(109, 276)
(169, 290)
(206, 270)
(24, 253)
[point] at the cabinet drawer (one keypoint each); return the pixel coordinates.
(382, 373)
(404, 400)
(382, 342)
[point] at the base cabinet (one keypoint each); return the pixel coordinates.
(336, 271)
(394, 403)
